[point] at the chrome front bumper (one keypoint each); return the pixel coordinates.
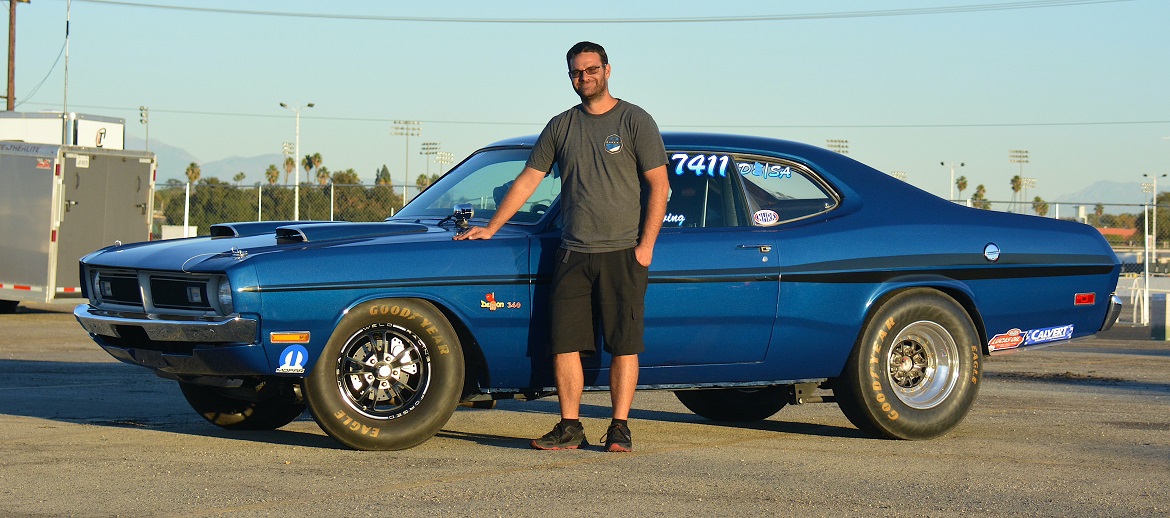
(236, 329)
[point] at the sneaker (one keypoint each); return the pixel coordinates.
(617, 438)
(562, 437)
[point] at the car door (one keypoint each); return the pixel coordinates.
(714, 280)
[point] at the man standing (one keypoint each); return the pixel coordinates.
(606, 149)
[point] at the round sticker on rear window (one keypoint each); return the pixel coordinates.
(766, 218)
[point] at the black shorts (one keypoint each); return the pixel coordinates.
(607, 288)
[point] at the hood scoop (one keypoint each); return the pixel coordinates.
(255, 228)
(299, 233)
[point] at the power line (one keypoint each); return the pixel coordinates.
(1001, 6)
(686, 125)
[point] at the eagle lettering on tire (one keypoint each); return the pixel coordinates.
(390, 376)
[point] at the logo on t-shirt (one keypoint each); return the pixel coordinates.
(613, 144)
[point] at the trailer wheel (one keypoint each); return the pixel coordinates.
(390, 376)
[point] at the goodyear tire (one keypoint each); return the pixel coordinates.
(389, 377)
(734, 404)
(232, 413)
(914, 372)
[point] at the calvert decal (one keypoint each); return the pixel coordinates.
(1016, 338)
(292, 360)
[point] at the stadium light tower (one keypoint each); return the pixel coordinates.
(952, 166)
(297, 156)
(406, 129)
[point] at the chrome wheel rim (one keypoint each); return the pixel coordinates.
(383, 372)
(923, 365)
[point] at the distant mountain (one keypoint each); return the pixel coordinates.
(173, 162)
(1117, 197)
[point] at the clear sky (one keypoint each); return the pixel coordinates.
(1082, 85)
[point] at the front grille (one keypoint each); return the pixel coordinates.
(171, 293)
(120, 288)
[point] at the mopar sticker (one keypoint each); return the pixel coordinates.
(292, 360)
(1017, 338)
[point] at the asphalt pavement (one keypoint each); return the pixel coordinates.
(1076, 429)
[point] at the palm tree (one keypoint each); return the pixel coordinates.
(323, 176)
(239, 177)
(979, 199)
(1017, 184)
(1098, 211)
(272, 174)
(193, 173)
(1040, 206)
(422, 182)
(307, 164)
(316, 160)
(289, 165)
(961, 185)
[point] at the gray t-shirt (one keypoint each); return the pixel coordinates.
(602, 159)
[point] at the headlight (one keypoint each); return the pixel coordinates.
(225, 297)
(96, 288)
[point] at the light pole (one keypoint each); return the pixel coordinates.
(296, 156)
(1018, 156)
(444, 158)
(406, 129)
(1027, 183)
(428, 149)
(144, 118)
(1153, 202)
(839, 145)
(952, 166)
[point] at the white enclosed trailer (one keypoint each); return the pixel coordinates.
(58, 203)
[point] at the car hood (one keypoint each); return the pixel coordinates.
(238, 242)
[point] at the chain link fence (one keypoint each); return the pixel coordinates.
(1138, 233)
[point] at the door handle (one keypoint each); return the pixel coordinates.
(762, 248)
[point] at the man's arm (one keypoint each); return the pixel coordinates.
(659, 184)
(518, 193)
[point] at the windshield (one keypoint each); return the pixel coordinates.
(482, 181)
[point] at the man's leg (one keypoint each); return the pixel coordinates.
(623, 377)
(570, 379)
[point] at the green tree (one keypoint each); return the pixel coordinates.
(382, 177)
(193, 173)
(979, 199)
(1040, 206)
(961, 185)
(239, 177)
(1017, 184)
(322, 175)
(307, 164)
(289, 165)
(272, 174)
(346, 177)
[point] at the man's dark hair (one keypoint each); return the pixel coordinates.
(587, 46)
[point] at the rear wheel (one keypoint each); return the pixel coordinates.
(218, 407)
(389, 377)
(754, 404)
(914, 373)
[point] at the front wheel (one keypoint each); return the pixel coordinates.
(219, 408)
(389, 377)
(734, 404)
(914, 372)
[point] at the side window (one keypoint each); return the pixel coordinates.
(704, 192)
(786, 189)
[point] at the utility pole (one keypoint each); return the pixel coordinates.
(12, 52)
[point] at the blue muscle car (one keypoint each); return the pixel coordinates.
(782, 268)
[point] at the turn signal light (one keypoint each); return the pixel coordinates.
(1085, 299)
